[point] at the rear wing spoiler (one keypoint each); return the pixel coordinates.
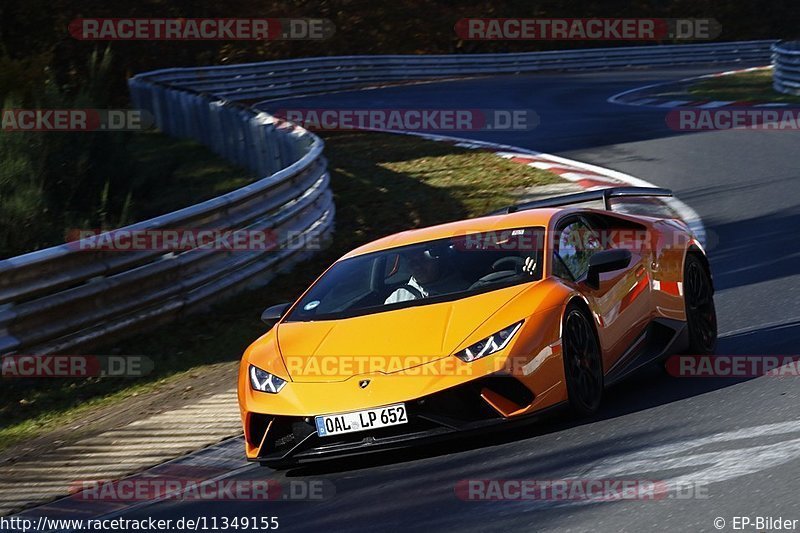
(589, 196)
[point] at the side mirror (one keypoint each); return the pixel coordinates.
(271, 315)
(606, 261)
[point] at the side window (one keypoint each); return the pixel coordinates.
(576, 243)
(560, 270)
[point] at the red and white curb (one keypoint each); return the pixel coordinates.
(584, 175)
(638, 95)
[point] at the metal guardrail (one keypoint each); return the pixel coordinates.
(786, 67)
(75, 295)
(280, 79)
(62, 298)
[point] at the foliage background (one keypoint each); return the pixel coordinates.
(53, 181)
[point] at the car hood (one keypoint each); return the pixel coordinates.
(335, 350)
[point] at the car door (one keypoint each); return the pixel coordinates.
(621, 303)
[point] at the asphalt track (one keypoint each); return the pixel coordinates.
(738, 439)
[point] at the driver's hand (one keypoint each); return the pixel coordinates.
(530, 266)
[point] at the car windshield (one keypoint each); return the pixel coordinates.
(425, 273)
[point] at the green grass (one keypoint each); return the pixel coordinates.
(382, 184)
(160, 174)
(175, 173)
(744, 86)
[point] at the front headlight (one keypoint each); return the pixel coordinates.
(263, 381)
(489, 345)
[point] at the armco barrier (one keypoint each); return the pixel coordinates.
(278, 79)
(786, 67)
(61, 299)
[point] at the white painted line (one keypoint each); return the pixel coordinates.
(543, 166)
(716, 103)
(693, 460)
(674, 103)
(644, 101)
(466, 145)
(580, 176)
(509, 155)
(618, 98)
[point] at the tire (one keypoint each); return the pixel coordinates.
(701, 315)
(583, 363)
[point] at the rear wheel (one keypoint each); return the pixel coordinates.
(583, 364)
(701, 315)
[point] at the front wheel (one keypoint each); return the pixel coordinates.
(583, 365)
(701, 315)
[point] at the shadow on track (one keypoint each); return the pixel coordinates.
(754, 250)
(648, 388)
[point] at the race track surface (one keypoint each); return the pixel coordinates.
(738, 439)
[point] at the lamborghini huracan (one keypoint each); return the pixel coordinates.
(436, 331)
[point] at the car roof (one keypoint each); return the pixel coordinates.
(521, 219)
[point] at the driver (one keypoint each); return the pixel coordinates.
(428, 278)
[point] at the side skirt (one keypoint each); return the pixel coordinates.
(661, 338)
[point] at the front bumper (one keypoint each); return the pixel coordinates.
(471, 406)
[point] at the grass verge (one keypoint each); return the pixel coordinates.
(160, 174)
(174, 173)
(382, 184)
(755, 86)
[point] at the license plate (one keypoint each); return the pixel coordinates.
(380, 417)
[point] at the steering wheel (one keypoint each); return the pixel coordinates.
(515, 262)
(494, 277)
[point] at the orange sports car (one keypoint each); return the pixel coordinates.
(436, 331)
